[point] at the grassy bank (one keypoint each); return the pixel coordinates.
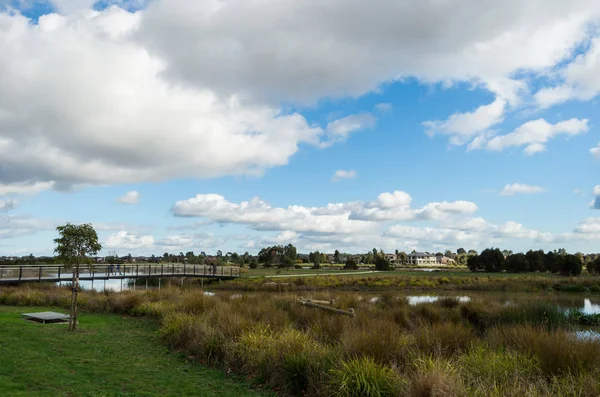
(391, 348)
(420, 281)
(110, 356)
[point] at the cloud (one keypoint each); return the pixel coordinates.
(13, 226)
(7, 205)
(461, 127)
(218, 75)
(231, 46)
(106, 129)
(595, 151)
(535, 134)
(131, 197)
(343, 174)
(384, 107)
(338, 130)
(125, 240)
(595, 204)
(580, 79)
(28, 187)
(341, 218)
(519, 188)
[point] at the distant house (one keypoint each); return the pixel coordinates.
(391, 257)
(443, 260)
(421, 259)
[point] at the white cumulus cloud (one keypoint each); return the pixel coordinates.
(343, 174)
(512, 189)
(595, 151)
(131, 197)
(535, 134)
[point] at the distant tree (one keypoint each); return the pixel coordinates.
(535, 260)
(491, 259)
(336, 257)
(449, 254)
(189, 254)
(253, 263)
(374, 251)
(594, 266)
(289, 251)
(473, 263)
(368, 258)
(472, 252)
(570, 265)
(382, 263)
(350, 263)
(552, 261)
(461, 251)
(219, 253)
(75, 246)
(402, 257)
(315, 258)
(516, 263)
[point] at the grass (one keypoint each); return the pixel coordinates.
(110, 356)
(390, 348)
(411, 280)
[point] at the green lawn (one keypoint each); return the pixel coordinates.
(110, 356)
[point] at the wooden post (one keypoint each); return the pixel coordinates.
(20, 272)
(40, 275)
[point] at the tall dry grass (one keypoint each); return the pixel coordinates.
(391, 348)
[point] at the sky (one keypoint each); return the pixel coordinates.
(205, 125)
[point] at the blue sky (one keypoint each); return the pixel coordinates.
(205, 125)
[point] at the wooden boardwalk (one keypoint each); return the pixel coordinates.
(58, 273)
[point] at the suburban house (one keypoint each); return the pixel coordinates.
(391, 257)
(421, 259)
(427, 259)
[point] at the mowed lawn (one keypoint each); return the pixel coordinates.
(109, 356)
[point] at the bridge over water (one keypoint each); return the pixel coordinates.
(58, 273)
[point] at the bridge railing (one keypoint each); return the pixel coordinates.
(103, 271)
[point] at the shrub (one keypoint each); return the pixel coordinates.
(363, 377)
(485, 367)
(444, 339)
(558, 351)
(381, 340)
(433, 378)
(289, 358)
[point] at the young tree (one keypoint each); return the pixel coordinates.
(75, 246)
(381, 263)
(315, 258)
(351, 263)
(337, 257)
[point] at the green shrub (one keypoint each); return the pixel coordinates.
(444, 339)
(435, 378)
(363, 377)
(558, 351)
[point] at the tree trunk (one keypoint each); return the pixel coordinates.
(75, 299)
(74, 293)
(72, 311)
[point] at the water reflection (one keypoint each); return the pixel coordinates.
(414, 300)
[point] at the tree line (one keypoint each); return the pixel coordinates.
(557, 261)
